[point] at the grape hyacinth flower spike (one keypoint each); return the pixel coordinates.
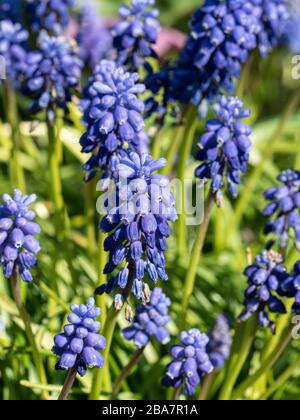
(112, 117)
(225, 147)
(223, 33)
(79, 345)
(13, 49)
(136, 32)
(50, 15)
(290, 288)
(265, 278)
(18, 245)
(150, 321)
(273, 16)
(284, 208)
(137, 223)
(220, 342)
(53, 75)
(10, 10)
(190, 362)
(94, 39)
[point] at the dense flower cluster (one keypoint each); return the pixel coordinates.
(137, 220)
(265, 278)
(79, 345)
(136, 32)
(272, 16)
(190, 362)
(12, 48)
(222, 35)
(52, 75)
(150, 320)
(10, 10)
(50, 15)
(17, 230)
(292, 29)
(284, 207)
(225, 147)
(112, 116)
(220, 342)
(291, 288)
(93, 38)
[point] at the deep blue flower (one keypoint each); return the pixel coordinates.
(225, 147)
(53, 75)
(150, 321)
(112, 116)
(292, 29)
(284, 208)
(94, 39)
(290, 288)
(223, 33)
(50, 15)
(190, 362)
(80, 344)
(138, 211)
(10, 10)
(272, 16)
(135, 33)
(220, 342)
(12, 48)
(265, 278)
(18, 245)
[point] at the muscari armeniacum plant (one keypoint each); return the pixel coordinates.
(50, 15)
(190, 362)
(220, 342)
(263, 295)
(135, 34)
(139, 209)
(94, 38)
(283, 210)
(113, 117)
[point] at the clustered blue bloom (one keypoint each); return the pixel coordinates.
(284, 207)
(50, 15)
(225, 147)
(112, 116)
(272, 16)
(135, 33)
(18, 246)
(265, 278)
(10, 10)
(150, 320)
(94, 39)
(13, 49)
(222, 35)
(53, 75)
(190, 362)
(137, 221)
(290, 288)
(220, 342)
(80, 344)
(292, 30)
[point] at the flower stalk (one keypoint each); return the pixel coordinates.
(68, 385)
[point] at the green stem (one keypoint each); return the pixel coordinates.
(194, 260)
(190, 124)
(15, 283)
(17, 176)
(108, 332)
(205, 387)
(281, 380)
(54, 156)
(173, 150)
(257, 172)
(90, 217)
(268, 364)
(126, 371)
(68, 385)
(242, 345)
